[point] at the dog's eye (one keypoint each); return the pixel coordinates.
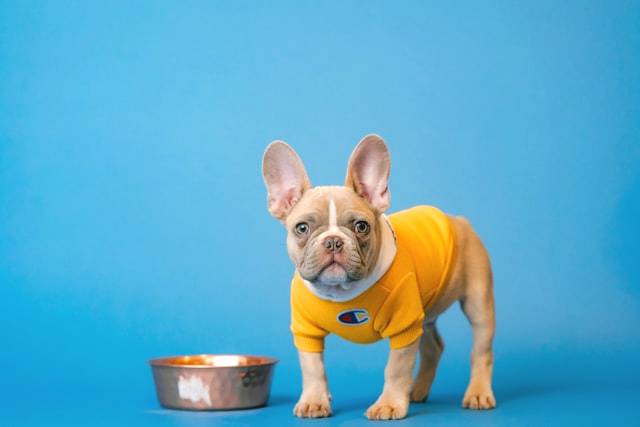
(302, 228)
(362, 227)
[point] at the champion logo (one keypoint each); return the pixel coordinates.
(356, 316)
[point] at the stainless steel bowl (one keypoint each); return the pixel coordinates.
(212, 381)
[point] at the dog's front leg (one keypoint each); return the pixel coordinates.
(315, 401)
(393, 403)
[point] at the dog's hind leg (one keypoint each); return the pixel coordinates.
(478, 305)
(431, 348)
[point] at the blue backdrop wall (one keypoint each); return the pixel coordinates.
(133, 217)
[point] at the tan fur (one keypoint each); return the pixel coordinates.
(366, 194)
(315, 202)
(470, 284)
(315, 401)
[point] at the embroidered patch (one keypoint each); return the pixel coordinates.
(356, 316)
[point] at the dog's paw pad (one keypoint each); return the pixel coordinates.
(386, 411)
(479, 398)
(312, 409)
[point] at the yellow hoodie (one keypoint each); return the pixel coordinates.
(394, 306)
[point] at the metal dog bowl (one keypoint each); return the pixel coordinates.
(210, 381)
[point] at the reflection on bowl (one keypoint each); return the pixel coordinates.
(210, 381)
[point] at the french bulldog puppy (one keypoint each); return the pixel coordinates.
(365, 276)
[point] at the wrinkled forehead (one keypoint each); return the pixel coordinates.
(320, 204)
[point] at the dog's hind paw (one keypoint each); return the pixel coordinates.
(419, 396)
(419, 391)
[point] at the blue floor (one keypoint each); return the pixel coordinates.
(529, 406)
(595, 390)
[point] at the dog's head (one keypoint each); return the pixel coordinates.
(333, 231)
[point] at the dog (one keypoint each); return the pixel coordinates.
(366, 276)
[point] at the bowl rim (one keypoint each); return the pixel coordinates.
(162, 361)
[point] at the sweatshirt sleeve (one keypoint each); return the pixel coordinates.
(307, 335)
(401, 315)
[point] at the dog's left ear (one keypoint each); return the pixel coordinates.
(368, 172)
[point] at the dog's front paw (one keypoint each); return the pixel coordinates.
(387, 410)
(313, 406)
(478, 397)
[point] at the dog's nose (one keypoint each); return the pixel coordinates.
(333, 243)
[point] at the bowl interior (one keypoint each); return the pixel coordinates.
(213, 361)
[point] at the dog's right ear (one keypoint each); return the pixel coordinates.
(285, 178)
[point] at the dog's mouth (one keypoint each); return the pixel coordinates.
(333, 267)
(336, 269)
(335, 274)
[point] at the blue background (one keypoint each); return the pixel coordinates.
(133, 218)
